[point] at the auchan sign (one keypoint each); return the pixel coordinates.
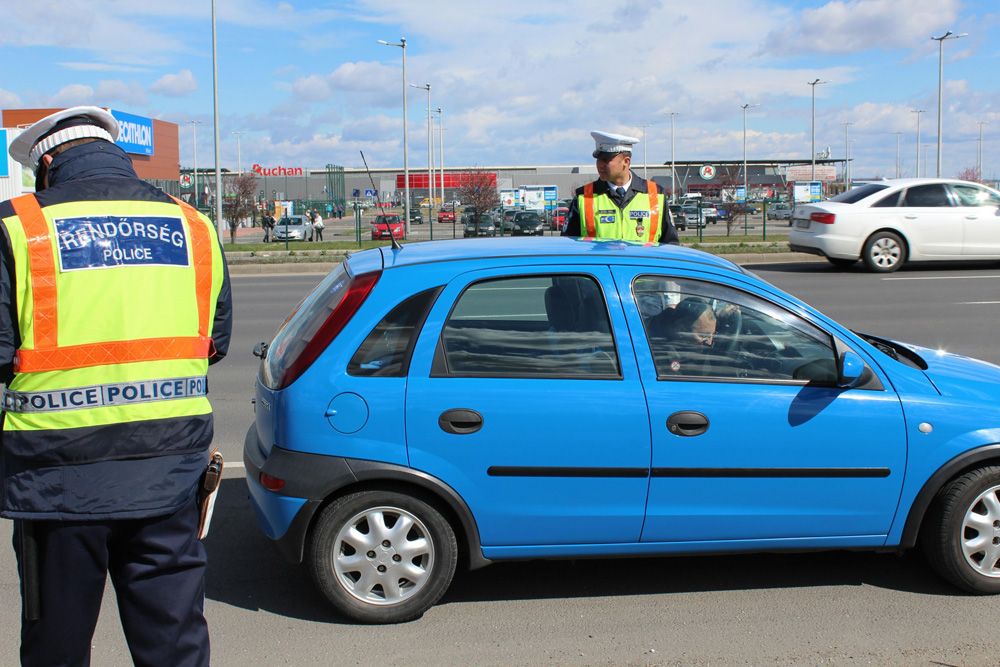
(276, 171)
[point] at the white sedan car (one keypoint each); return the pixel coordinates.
(888, 223)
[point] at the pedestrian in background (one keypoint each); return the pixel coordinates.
(619, 205)
(317, 225)
(114, 300)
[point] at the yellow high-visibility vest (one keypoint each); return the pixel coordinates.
(638, 221)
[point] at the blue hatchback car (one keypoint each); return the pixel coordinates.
(461, 403)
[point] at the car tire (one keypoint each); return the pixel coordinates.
(842, 263)
(358, 583)
(884, 252)
(961, 533)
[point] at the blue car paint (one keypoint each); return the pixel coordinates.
(598, 521)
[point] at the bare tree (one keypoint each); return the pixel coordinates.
(478, 191)
(970, 174)
(240, 202)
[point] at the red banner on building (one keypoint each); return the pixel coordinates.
(452, 180)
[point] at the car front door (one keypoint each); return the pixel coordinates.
(524, 397)
(980, 209)
(751, 439)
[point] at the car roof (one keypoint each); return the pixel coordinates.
(551, 248)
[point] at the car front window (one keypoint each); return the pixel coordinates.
(550, 326)
(971, 195)
(698, 330)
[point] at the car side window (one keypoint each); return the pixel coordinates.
(386, 351)
(932, 194)
(705, 330)
(971, 195)
(546, 326)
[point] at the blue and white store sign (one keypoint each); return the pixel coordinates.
(135, 133)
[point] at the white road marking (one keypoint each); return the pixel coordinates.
(977, 303)
(942, 278)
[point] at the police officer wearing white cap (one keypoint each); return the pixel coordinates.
(114, 299)
(619, 205)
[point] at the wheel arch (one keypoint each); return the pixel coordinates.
(954, 468)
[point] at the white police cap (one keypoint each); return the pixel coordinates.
(612, 143)
(29, 146)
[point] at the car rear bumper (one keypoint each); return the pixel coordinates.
(825, 244)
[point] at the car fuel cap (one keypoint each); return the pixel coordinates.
(347, 413)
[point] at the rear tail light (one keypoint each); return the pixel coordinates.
(823, 218)
(319, 318)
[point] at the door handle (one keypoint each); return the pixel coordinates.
(910, 217)
(687, 423)
(460, 421)
(972, 217)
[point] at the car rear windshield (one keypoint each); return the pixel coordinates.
(857, 194)
(387, 219)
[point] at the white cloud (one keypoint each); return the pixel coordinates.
(106, 93)
(102, 67)
(175, 85)
(849, 26)
(9, 99)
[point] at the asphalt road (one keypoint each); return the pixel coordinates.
(830, 608)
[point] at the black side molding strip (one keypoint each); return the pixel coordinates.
(771, 472)
(541, 471)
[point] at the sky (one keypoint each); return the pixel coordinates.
(523, 82)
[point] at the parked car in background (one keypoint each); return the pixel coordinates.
(693, 218)
(388, 226)
(779, 211)
(292, 228)
(446, 215)
(415, 217)
(527, 223)
(404, 423)
(709, 213)
(679, 217)
(888, 223)
(482, 224)
(557, 221)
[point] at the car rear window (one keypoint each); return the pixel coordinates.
(386, 351)
(551, 326)
(857, 194)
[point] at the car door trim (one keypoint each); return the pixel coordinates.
(772, 472)
(564, 471)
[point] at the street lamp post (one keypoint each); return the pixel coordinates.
(746, 179)
(406, 165)
(430, 160)
(918, 112)
(979, 151)
(898, 135)
(812, 144)
(847, 156)
(644, 163)
(239, 157)
(194, 145)
(215, 125)
(440, 113)
(940, 41)
(673, 182)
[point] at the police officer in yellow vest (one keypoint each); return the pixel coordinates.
(619, 205)
(114, 299)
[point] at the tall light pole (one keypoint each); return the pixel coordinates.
(979, 151)
(406, 165)
(239, 156)
(940, 41)
(918, 112)
(194, 144)
(215, 124)
(812, 144)
(898, 135)
(673, 182)
(847, 156)
(644, 163)
(430, 158)
(440, 113)
(746, 179)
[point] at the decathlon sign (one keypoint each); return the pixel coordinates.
(135, 133)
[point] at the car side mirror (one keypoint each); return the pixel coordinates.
(852, 369)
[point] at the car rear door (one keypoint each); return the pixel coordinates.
(743, 448)
(524, 397)
(933, 225)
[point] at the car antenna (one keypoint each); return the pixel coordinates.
(378, 204)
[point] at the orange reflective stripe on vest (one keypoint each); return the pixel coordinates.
(588, 209)
(654, 213)
(46, 353)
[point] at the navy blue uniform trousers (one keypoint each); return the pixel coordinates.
(157, 567)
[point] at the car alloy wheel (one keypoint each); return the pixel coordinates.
(962, 538)
(884, 252)
(382, 557)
